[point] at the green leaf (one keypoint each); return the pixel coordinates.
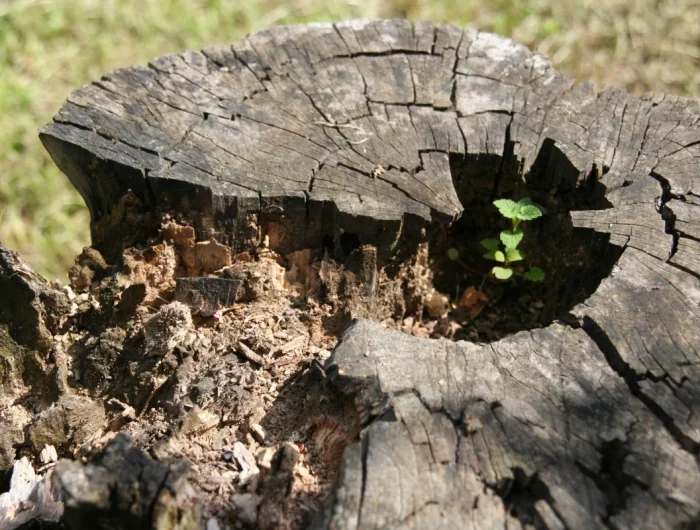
(499, 256)
(535, 274)
(513, 254)
(529, 212)
(491, 254)
(502, 273)
(490, 244)
(453, 253)
(511, 239)
(508, 208)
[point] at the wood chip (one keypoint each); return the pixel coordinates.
(48, 454)
(250, 354)
(258, 433)
(293, 344)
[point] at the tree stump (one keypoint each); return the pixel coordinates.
(373, 147)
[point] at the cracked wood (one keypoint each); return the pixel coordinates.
(594, 425)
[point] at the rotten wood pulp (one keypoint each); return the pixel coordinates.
(256, 206)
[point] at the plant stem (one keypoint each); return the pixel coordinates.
(467, 267)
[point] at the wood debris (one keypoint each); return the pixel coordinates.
(250, 354)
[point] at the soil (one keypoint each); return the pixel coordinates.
(481, 308)
(218, 358)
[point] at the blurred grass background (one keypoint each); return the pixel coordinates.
(49, 47)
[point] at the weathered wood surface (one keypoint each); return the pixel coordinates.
(122, 488)
(591, 424)
(30, 499)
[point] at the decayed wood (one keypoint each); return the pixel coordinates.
(29, 305)
(31, 499)
(123, 488)
(322, 130)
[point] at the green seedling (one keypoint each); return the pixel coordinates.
(505, 250)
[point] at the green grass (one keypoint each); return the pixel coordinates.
(47, 48)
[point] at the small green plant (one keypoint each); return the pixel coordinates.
(505, 250)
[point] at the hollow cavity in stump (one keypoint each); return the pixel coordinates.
(481, 308)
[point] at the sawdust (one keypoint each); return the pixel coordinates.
(155, 267)
(235, 390)
(216, 358)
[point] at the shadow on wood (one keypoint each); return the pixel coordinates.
(349, 157)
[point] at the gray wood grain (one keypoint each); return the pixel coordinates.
(467, 432)
(589, 425)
